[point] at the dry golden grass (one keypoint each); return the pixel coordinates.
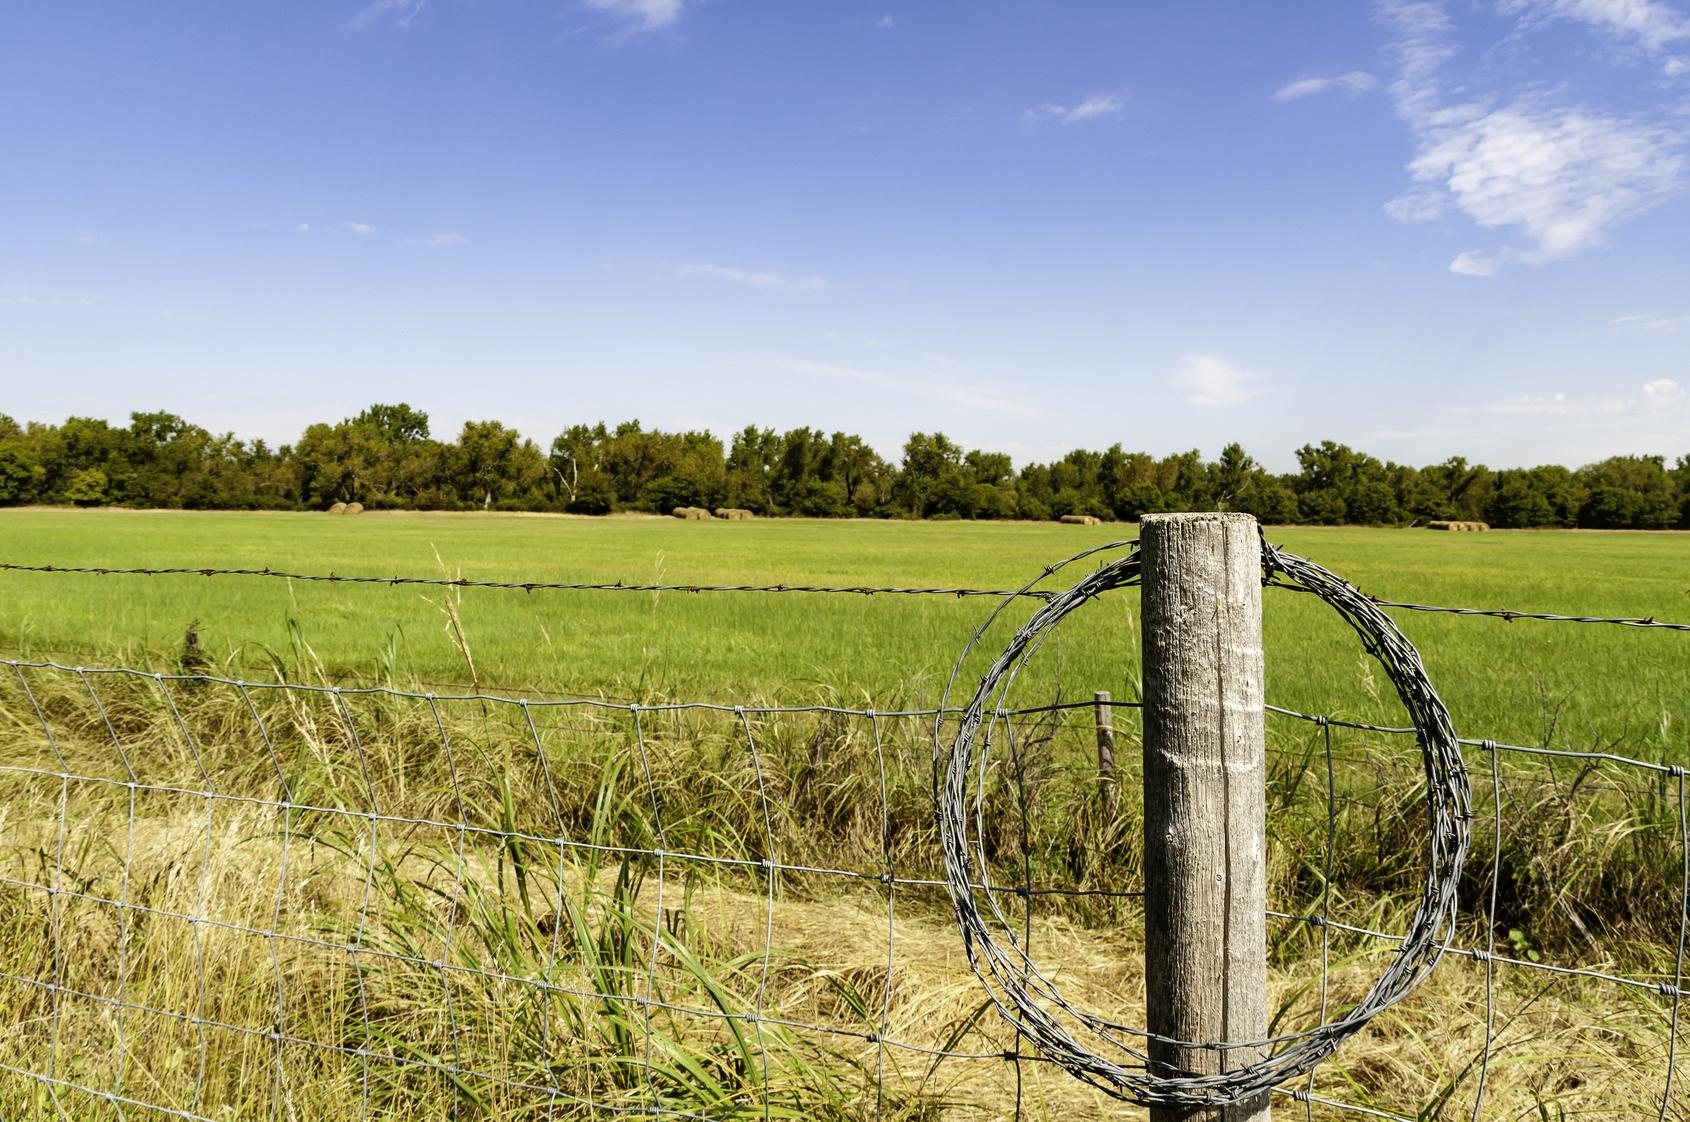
(1571, 1043)
(235, 958)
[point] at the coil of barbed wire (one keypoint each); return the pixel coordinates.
(1025, 995)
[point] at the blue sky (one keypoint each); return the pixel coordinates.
(1423, 228)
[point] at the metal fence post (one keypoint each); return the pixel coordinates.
(1109, 796)
(1205, 836)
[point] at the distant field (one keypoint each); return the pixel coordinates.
(1503, 680)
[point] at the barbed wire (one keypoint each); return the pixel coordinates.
(523, 586)
(1507, 615)
(1026, 995)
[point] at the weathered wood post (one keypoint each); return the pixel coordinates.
(1109, 794)
(1205, 834)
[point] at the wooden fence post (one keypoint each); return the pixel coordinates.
(1109, 794)
(1205, 834)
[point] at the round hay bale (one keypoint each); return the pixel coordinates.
(338, 508)
(354, 508)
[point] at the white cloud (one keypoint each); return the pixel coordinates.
(1474, 264)
(1653, 26)
(1661, 397)
(752, 279)
(1095, 107)
(303, 228)
(1660, 325)
(26, 298)
(638, 15)
(1562, 176)
(401, 12)
(436, 241)
(86, 237)
(1552, 405)
(1664, 397)
(1210, 382)
(362, 229)
(923, 383)
(1417, 206)
(886, 23)
(1420, 48)
(1355, 82)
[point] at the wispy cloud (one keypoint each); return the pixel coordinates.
(86, 237)
(1660, 325)
(1648, 25)
(1664, 397)
(1560, 175)
(1099, 106)
(918, 382)
(754, 279)
(1657, 398)
(400, 13)
(362, 229)
(886, 23)
(634, 16)
(1474, 264)
(1355, 82)
(27, 298)
(1211, 382)
(1551, 405)
(436, 241)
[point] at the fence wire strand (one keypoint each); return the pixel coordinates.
(1507, 615)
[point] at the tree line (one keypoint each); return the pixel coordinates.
(386, 458)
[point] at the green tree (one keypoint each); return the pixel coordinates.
(492, 465)
(930, 478)
(1628, 493)
(86, 488)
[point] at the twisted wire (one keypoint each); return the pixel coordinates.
(1024, 993)
(1507, 615)
(523, 586)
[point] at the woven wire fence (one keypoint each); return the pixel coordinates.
(226, 898)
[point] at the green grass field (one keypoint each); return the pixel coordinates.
(1588, 874)
(1507, 681)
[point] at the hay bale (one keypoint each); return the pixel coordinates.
(1080, 520)
(338, 508)
(691, 513)
(354, 508)
(1441, 524)
(733, 513)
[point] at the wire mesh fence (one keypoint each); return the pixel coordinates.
(227, 898)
